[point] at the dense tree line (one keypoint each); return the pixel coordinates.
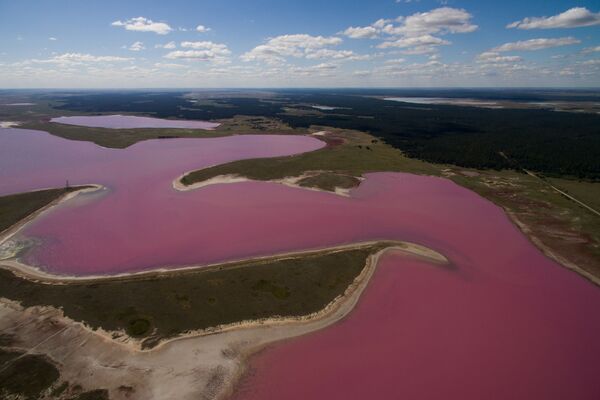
(556, 143)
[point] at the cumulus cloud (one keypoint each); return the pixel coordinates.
(323, 69)
(591, 50)
(336, 55)
(440, 20)
(170, 45)
(202, 29)
(201, 51)
(362, 73)
(424, 40)
(361, 32)
(141, 24)
(395, 61)
(417, 33)
(52, 38)
(492, 57)
(137, 46)
(83, 58)
(298, 45)
(536, 44)
(573, 18)
(73, 59)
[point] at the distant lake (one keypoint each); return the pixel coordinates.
(132, 122)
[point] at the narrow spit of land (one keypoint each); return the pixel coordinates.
(560, 227)
(159, 305)
(16, 207)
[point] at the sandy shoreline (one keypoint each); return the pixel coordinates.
(548, 252)
(35, 274)
(198, 364)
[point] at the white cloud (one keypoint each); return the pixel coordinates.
(492, 57)
(536, 44)
(323, 69)
(81, 57)
(424, 40)
(573, 18)
(298, 45)
(202, 51)
(591, 50)
(418, 50)
(73, 59)
(336, 55)
(440, 20)
(170, 45)
(137, 46)
(219, 47)
(141, 24)
(395, 61)
(362, 73)
(591, 62)
(169, 65)
(202, 29)
(358, 32)
(52, 38)
(415, 33)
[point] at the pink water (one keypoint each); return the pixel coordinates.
(132, 121)
(504, 322)
(421, 332)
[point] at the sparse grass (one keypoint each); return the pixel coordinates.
(565, 227)
(169, 304)
(14, 208)
(587, 192)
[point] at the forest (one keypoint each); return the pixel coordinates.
(554, 143)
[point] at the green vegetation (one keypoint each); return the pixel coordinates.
(558, 143)
(25, 375)
(330, 181)
(13, 208)
(562, 225)
(165, 305)
(349, 153)
(35, 376)
(121, 138)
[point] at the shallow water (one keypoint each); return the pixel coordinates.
(132, 121)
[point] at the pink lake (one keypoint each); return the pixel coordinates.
(422, 332)
(132, 121)
(504, 322)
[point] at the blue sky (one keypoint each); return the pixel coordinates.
(266, 43)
